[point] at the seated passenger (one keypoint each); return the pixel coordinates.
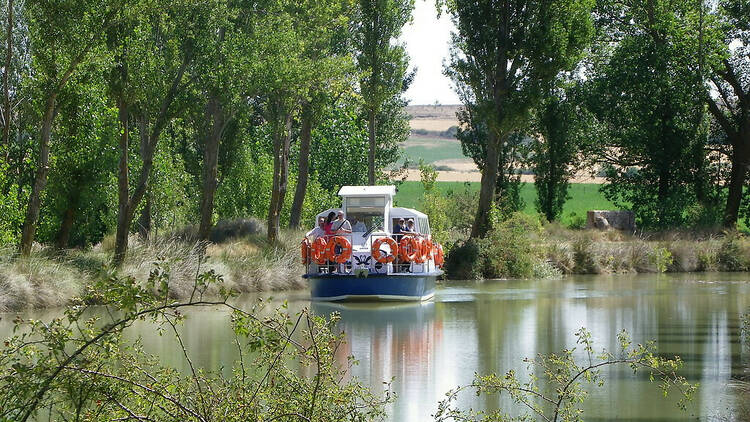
(358, 226)
(341, 225)
(410, 228)
(398, 229)
(318, 231)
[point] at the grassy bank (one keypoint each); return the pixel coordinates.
(521, 247)
(583, 197)
(247, 263)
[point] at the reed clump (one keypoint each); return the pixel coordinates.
(245, 260)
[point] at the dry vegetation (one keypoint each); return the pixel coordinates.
(247, 262)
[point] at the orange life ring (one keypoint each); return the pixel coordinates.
(305, 251)
(438, 253)
(427, 249)
(409, 249)
(379, 256)
(421, 257)
(318, 253)
(346, 250)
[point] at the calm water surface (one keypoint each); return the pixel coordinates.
(489, 327)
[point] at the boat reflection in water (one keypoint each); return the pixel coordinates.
(391, 341)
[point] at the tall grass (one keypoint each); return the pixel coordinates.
(244, 258)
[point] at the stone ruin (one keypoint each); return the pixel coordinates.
(605, 220)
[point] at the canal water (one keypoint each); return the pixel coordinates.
(470, 327)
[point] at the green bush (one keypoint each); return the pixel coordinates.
(463, 261)
(730, 255)
(576, 222)
(514, 249)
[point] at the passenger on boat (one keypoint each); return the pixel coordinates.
(342, 225)
(410, 227)
(318, 231)
(398, 229)
(358, 226)
(328, 227)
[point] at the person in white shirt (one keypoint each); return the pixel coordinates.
(317, 231)
(341, 225)
(358, 226)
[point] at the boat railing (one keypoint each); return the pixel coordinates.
(398, 265)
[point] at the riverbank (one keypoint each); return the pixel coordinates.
(520, 247)
(247, 263)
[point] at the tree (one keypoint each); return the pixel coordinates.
(62, 38)
(647, 95)
(504, 55)
(148, 76)
(561, 125)
(730, 80)
(326, 50)
(381, 60)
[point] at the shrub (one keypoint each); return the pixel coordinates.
(661, 258)
(576, 222)
(513, 248)
(584, 259)
(730, 255)
(462, 262)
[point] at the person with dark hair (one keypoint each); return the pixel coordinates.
(328, 227)
(398, 228)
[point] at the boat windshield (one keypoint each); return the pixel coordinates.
(365, 213)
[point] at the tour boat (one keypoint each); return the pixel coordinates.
(372, 263)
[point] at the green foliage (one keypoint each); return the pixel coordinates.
(649, 101)
(567, 373)
(503, 60)
(556, 153)
(661, 258)
(435, 206)
(731, 256)
(428, 175)
(512, 249)
(46, 364)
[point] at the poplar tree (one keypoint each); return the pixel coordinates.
(381, 60)
(504, 56)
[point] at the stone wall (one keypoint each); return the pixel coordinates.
(604, 220)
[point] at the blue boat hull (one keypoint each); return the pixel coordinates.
(375, 287)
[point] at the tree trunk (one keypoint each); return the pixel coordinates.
(123, 191)
(210, 165)
(740, 162)
(281, 142)
(144, 220)
(304, 168)
(487, 188)
(63, 236)
(40, 181)
(373, 145)
(6, 87)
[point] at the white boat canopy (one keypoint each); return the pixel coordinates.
(354, 191)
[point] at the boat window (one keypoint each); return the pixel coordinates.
(366, 201)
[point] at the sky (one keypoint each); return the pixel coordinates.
(426, 40)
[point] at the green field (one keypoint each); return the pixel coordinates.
(583, 197)
(432, 149)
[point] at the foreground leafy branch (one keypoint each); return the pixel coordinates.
(563, 393)
(79, 368)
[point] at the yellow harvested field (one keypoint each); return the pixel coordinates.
(476, 176)
(432, 118)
